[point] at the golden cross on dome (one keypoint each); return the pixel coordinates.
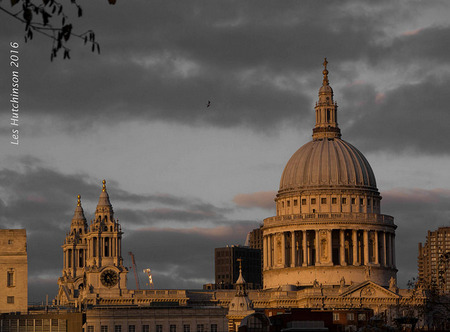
(104, 185)
(79, 200)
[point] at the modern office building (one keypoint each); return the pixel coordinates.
(227, 262)
(434, 259)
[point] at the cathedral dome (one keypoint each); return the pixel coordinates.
(328, 162)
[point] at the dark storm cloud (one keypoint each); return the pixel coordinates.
(182, 257)
(416, 211)
(410, 117)
(247, 58)
(42, 201)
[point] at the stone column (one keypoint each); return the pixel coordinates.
(377, 260)
(393, 251)
(264, 253)
(283, 249)
(269, 251)
(342, 248)
(293, 249)
(330, 246)
(366, 246)
(384, 249)
(305, 250)
(317, 246)
(355, 246)
(388, 250)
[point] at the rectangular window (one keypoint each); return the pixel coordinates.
(213, 328)
(323, 200)
(104, 328)
(173, 328)
(145, 328)
(10, 279)
(361, 201)
(158, 328)
(200, 328)
(344, 200)
(10, 299)
(335, 316)
(350, 316)
(333, 200)
(361, 317)
(368, 202)
(10, 241)
(295, 202)
(131, 328)
(303, 201)
(186, 328)
(90, 328)
(353, 200)
(288, 203)
(117, 328)
(313, 201)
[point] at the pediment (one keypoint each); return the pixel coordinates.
(368, 289)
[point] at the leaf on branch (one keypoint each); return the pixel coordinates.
(45, 2)
(80, 11)
(98, 48)
(14, 2)
(27, 15)
(45, 17)
(66, 31)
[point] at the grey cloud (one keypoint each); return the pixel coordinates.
(411, 117)
(224, 41)
(42, 200)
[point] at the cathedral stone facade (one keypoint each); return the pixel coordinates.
(329, 228)
(92, 261)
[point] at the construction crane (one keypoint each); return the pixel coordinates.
(150, 279)
(134, 269)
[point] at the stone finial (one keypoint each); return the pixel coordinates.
(325, 72)
(79, 200)
(104, 186)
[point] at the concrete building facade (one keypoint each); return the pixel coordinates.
(13, 271)
(434, 259)
(226, 265)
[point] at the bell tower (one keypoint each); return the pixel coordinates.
(92, 262)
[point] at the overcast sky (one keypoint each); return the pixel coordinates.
(184, 178)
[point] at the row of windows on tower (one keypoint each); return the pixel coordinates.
(323, 200)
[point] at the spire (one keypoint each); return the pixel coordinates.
(104, 205)
(326, 110)
(240, 282)
(78, 220)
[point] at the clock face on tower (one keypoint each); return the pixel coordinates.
(109, 278)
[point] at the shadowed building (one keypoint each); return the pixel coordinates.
(227, 266)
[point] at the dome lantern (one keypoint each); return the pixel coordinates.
(326, 111)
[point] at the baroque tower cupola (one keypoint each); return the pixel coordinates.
(326, 111)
